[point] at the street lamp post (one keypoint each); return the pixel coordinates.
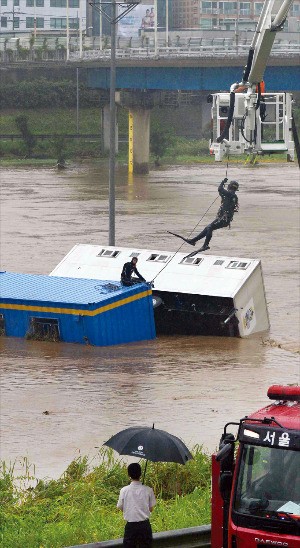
(113, 17)
(68, 32)
(155, 27)
(80, 31)
(112, 124)
(167, 23)
(34, 19)
(100, 30)
(83, 33)
(77, 100)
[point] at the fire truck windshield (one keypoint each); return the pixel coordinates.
(268, 482)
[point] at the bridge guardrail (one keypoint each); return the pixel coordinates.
(195, 51)
(162, 52)
(191, 537)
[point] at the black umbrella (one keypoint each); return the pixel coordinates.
(150, 444)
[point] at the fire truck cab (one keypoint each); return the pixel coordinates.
(256, 477)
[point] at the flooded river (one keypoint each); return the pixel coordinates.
(189, 386)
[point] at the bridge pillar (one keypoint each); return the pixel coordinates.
(141, 140)
(106, 130)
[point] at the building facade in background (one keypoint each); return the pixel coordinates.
(224, 15)
(204, 15)
(38, 15)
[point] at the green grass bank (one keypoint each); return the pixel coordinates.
(48, 107)
(61, 122)
(80, 507)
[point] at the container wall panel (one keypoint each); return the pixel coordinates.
(80, 312)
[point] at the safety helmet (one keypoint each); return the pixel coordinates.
(234, 185)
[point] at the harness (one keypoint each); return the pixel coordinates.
(229, 206)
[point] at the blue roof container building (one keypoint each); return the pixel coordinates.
(75, 310)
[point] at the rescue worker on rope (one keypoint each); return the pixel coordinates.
(229, 206)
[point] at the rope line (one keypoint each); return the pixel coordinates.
(191, 232)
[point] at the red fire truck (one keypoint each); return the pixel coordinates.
(256, 477)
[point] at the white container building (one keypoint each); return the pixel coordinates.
(203, 294)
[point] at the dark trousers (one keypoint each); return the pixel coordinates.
(208, 230)
(133, 281)
(138, 534)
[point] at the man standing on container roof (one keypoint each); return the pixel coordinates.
(137, 502)
(127, 271)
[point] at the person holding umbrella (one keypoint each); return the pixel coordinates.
(137, 502)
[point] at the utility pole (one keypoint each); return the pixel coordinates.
(112, 124)
(100, 29)
(77, 100)
(155, 27)
(34, 19)
(114, 17)
(167, 23)
(80, 31)
(68, 32)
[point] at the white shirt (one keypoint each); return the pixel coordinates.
(136, 500)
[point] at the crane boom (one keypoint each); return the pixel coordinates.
(264, 37)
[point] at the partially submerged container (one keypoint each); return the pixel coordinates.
(203, 294)
(75, 310)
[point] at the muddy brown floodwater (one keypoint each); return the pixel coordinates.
(189, 386)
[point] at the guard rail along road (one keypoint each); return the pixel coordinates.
(282, 50)
(192, 537)
(16, 50)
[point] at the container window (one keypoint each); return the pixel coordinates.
(2, 325)
(158, 258)
(191, 260)
(108, 253)
(218, 262)
(134, 254)
(237, 264)
(43, 329)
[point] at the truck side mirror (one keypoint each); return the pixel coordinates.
(225, 484)
(224, 452)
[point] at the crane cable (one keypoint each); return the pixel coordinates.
(191, 232)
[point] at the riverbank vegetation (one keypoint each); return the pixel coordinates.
(53, 130)
(62, 148)
(80, 507)
(61, 125)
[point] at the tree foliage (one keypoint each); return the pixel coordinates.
(160, 140)
(28, 137)
(42, 93)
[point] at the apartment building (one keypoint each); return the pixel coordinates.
(185, 13)
(224, 15)
(51, 15)
(36, 15)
